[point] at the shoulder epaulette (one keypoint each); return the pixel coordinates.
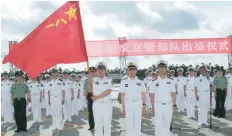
(125, 78)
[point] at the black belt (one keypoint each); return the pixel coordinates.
(220, 89)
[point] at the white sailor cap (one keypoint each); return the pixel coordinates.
(180, 70)
(149, 70)
(73, 75)
(101, 65)
(54, 69)
(162, 63)
(66, 71)
(79, 75)
(131, 65)
(190, 69)
(47, 75)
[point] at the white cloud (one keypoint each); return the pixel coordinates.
(214, 20)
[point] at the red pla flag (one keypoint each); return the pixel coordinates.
(58, 39)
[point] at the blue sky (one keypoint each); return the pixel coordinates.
(131, 20)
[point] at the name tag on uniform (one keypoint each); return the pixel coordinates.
(76, 84)
(157, 84)
(37, 86)
(126, 85)
(68, 83)
(138, 84)
(97, 82)
(8, 84)
(106, 83)
(50, 84)
(168, 82)
(59, 83)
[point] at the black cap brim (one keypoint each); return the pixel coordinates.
(101, 67)
(131, 67)
(162, 65)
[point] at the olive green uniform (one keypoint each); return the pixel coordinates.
(221, 87)
(90, 103)
(19, 91)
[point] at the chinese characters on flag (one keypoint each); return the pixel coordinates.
(158, 47)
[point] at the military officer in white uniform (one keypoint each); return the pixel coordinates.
(45, 93)
(228, 104)
(163, 100)
(7, 108)
(81, 100)
(102, 106)
(133, 96)
(36, 92)
(147, 81)
(180, 81)
(56, 96)
(190, 94)
(76, 90)
(202, 92)
(69, 96)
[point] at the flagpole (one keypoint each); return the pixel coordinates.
(90, 82)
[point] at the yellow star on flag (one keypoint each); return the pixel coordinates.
(71, 13)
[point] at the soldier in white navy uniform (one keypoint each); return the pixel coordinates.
(163, 100)
(180, 81)
(36, 92)
(190, 94)
(69, 96)
(76, 90)
(56, 96)
(228, 104)
(147, 81)
(7, 108)
(133, 96)
(102, 106)
(202, 92)
(45, 95)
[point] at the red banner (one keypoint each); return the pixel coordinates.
(108, 48)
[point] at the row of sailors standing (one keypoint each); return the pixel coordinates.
(39, 93)
(194, 91)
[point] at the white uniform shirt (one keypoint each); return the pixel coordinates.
(67, 88)
(180, 82)
(101, 85)
(46, 86)
(189, 82)
(162, 88)
(202, 83)
(56, 87)
(81, 85)
(211, 79)
(147, 82)
(35, 88)
(5, 87)
(132, 89)
(229, 78)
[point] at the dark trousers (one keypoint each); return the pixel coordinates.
(90, 110)
(20, 113)
(220, 102)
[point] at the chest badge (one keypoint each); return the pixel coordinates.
(157, 84)
(138, 84)
(105, 83)
(97, 83)
(168, 82)
(59, 83)
(126, 85)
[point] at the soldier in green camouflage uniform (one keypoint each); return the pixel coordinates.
(18, 99)
(220, 87)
